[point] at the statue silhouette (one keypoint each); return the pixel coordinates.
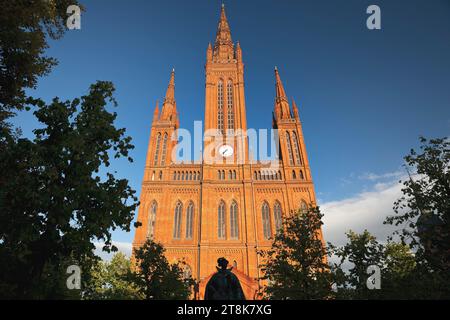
(224, 285)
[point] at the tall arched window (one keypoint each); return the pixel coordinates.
(234, 223)
(289, 148)
(296, 148)
(230, 107)
(303, 207)
(151, 220)
(221, 222)
(301, 175)
(164, 150)
(220, 115)
(189, 220)
(267, 228)
(277, 216)
(177, 220)
(158, 142)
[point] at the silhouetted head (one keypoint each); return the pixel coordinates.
(223, 263)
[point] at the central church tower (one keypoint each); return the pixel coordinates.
(225, 205)
(225, 115)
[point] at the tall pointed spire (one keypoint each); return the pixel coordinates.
(170, 93)
(223, 47)
(282, 108)
(169, 101)
(223, 35)
(281, 94)
(295, 110)
(156, 112)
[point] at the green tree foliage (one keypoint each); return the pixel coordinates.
(111, 280)
(424, 208)
(295, 267)
(361, 251)
(402, 277)
(156, 278)
(53, 200)
(25, 26)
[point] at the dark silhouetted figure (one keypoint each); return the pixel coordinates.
(224, 285)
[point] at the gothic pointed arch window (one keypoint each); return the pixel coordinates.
(301, 175)
(189, 220)
(234, 223)
(289, 148)
(303, 207)
(267, 228)
(152, 220)
(298, 160)
(220, 115)
(164, 149)
(157, 146)
(177, 220)
(230, 106)
(221, 222)
(278, 217)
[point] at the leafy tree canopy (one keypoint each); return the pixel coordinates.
(295, 267)
(53, 200)
(156, 278)
(111, 280)
(25, 27)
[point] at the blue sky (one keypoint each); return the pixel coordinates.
(364, 96)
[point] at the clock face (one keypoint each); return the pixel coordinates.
(226, 151)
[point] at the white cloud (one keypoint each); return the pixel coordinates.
(373, 176)
(366, 210)
(124, 247)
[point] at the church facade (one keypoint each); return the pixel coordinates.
(226, 204)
